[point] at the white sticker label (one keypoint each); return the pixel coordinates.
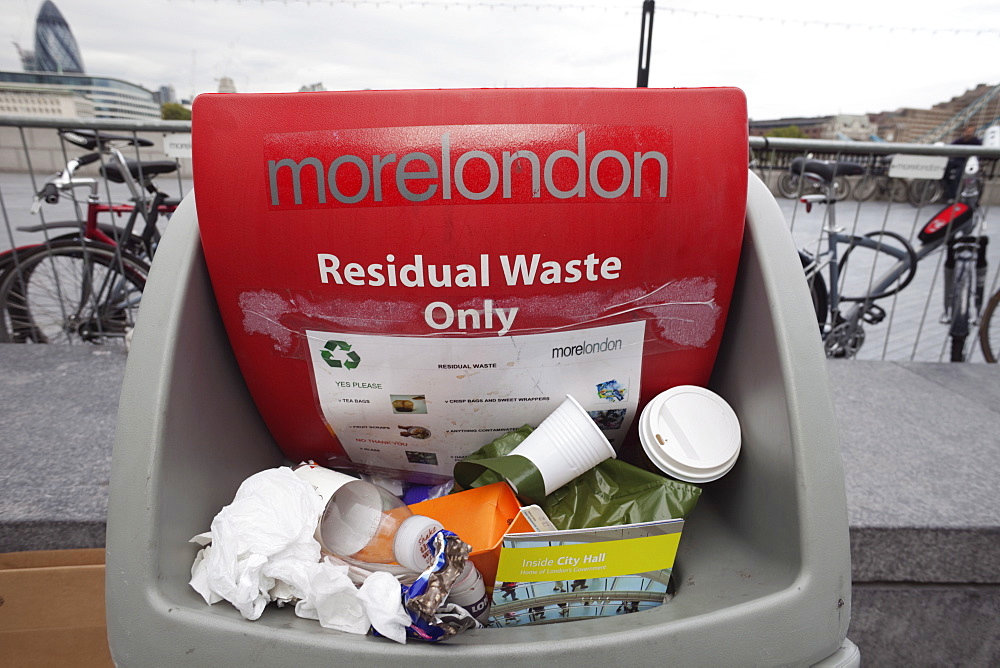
(177, 145)
(423, 403)
(918, 167)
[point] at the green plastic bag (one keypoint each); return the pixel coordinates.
(610, 494)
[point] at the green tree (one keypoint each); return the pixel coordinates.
(171, 111)
(791, 131)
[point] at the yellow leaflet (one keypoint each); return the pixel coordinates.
(588, 560)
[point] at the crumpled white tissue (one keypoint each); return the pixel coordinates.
(380, 594)
(333, 600)
(266, 534)
(262, 548)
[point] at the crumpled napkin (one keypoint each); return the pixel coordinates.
(266, 534)
(262, 548)
(377, 594)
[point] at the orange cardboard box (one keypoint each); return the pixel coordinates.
(481, 517)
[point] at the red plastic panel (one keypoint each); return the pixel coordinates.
(589, 227)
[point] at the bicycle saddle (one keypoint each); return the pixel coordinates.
(91, 139)
(826, 169)
(148, 168)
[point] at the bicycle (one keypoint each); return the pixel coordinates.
(84, 285)
(842, 331)
(791, 184)
(138, 176)
(877, 183)
(965, 265)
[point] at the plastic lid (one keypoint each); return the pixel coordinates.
(690, 433)
(410, 545)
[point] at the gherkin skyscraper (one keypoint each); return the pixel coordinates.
(55, 46)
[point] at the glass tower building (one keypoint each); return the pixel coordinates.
(56, 67)
(55, 46)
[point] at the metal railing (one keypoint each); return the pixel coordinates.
(30, 150)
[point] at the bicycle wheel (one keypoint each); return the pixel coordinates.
(898, 190)
(817, 290)
(865, 188)
(841, 188)
(68, 292)
(923, 192)
(958, 331)
(788, 185)
(989, 330)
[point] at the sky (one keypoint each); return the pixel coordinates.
(792, 59)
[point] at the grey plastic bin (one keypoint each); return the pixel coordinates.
(764, 566)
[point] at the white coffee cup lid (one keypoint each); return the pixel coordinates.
(690, 433)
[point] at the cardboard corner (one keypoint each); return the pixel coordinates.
(52, 611)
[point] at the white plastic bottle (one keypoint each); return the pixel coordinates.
(469, 591)
(365, 522)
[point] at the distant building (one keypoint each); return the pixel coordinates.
(54, 83)
(44, 103)
(108, 98)
(842, 126)
(312, 88)
(978, 107)
(166, 95)
(226, 85)
(55, 46)
(27, 58)
(858, 127)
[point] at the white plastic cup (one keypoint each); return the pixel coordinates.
(325, 481)
(567, 444)
(690, 434)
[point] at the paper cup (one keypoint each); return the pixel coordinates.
(565, 445)
(690, 433)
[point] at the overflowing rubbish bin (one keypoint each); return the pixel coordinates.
(762, 574)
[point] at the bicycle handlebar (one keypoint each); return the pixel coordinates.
(50, 193)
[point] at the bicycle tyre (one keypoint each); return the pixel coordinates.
(68, 291)
(958, 330)
(788, 186)
(841, 188)
(899, 191)
(865, 189)
(989, 341)
(923, 192)
(817, 291)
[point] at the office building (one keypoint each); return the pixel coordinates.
(55, 46)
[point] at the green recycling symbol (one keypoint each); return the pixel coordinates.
(352, 361)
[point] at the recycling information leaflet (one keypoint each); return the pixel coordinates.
(424, 403)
